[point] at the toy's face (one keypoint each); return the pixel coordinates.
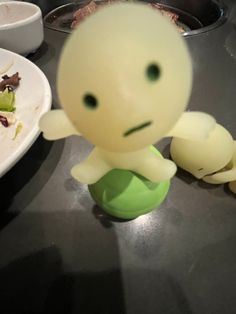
(202, 158)
(124, 77)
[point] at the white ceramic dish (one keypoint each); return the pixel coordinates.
(21, 26)
(33, 98)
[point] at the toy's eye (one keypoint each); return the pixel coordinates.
(153, 72)
(200, 169)
(90, 101)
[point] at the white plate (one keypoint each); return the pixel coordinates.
(33, 98)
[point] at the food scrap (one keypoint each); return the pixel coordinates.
(83, 12)
(7, 118)
(4, 121)
(173, 17)
(7, 99)
(11, 82)
(18, 130)
(93, 6)
(6, 67)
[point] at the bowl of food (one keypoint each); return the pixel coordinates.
(21, 26)
(190, 17)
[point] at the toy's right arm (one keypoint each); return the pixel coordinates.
(55, 125)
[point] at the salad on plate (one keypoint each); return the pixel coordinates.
(8, 85)
(25, 95)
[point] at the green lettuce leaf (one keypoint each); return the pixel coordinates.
(7, 101)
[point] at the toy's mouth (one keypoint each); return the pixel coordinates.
(137, 128)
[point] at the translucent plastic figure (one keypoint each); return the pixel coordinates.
(124, 81)
(212, 160)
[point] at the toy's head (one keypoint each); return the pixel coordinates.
(202, 158)
(124, 77)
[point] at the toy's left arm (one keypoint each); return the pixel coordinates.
(193, 126)
(55, 125)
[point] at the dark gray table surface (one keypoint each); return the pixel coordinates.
(60, 254)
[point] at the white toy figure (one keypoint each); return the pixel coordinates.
(212, 160)
(124, 81)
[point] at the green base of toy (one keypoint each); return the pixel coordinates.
(127, 195)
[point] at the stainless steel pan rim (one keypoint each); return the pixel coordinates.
(199, 29)
(220, 21)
